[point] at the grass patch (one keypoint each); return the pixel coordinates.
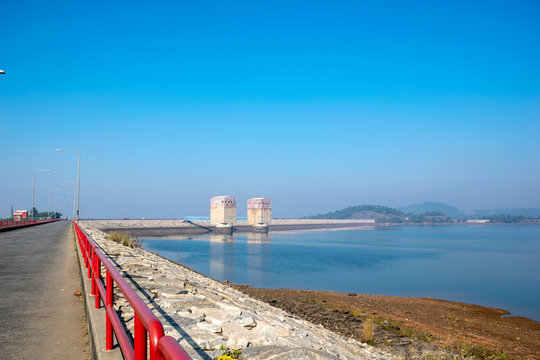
(367, 326)
(125, 240)
(400, 329)
(480, 353)
(386, 324)
(462, 348)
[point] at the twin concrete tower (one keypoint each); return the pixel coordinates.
(223, 210)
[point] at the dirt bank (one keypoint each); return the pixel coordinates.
(412, 326)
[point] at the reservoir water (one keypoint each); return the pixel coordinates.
(495, 266)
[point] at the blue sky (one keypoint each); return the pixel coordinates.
(317, 105)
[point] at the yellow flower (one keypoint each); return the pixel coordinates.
(225, 357)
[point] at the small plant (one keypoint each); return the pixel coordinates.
(125, 240)
(367, 326)
(230, 354)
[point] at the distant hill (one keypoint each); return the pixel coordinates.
(383, 214)
(360, 212)
(528, 212)
(429, 213)
(448, 210)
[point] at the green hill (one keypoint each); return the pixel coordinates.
(354, 212)
(382, 214)
(448, 210)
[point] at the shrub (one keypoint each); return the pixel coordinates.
(125, 239)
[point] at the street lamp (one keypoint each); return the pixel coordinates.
(78, 176)
(34, 187)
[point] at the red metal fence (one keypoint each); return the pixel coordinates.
(146, 327)
(11, 224)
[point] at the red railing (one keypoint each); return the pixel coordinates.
(146, 324)
(8, 224)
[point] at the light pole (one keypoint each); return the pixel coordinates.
(78, 176)
(55, 196)
(34, 188)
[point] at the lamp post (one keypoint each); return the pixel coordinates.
(34, 188)
(78, 176)
(55, 196)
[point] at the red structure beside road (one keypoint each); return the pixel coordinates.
(12, 225)
(147, 325)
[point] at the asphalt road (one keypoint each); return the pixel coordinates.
(40, 317)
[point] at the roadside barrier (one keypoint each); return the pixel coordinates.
(11, 224)
(146, 324)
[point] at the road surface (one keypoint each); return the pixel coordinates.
(40, 317)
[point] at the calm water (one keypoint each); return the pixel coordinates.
(497, 266)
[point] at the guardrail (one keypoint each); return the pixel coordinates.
(12, 224)
(147, 326)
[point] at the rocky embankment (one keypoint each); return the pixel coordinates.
(207, 316)
(180, 223)
(161, 227)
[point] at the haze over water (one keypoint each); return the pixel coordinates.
(494, 266)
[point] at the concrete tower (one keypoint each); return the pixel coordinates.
(222, 210)
(259, 211)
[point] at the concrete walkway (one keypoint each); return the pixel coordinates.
(40, 317)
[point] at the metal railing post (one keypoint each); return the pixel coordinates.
(155, 330)
(93, 280)
(109, 303)
(97, 279)
(139, 340)
(90, 261)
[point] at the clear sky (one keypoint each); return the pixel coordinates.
(318, 105)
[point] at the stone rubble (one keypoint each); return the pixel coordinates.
(206, 316)
(179, 223)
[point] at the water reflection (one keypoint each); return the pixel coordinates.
(258, 238)
(258, 257)
(220, 238)
(222, 257)
(244, 258)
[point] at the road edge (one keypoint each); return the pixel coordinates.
(95, 318)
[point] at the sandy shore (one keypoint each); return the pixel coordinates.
(409, 324)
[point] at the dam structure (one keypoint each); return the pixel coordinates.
(222, 210)
(259, 211)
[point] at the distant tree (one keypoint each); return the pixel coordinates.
(45, 214)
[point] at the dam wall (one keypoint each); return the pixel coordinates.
(159, 227)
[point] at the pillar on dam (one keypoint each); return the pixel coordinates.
(222, 210)
(259, 211)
